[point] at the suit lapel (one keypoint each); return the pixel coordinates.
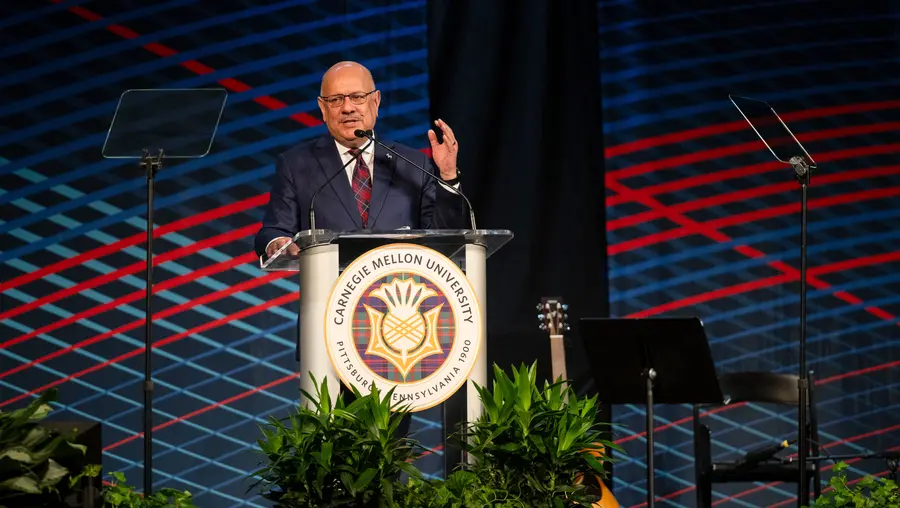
(385, 164)
(330, 163)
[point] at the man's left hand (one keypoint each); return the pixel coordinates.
(444, 154)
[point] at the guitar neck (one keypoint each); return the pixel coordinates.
(558, 356)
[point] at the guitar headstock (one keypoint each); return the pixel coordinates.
(553, 315)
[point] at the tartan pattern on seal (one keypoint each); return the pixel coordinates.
(362, 332)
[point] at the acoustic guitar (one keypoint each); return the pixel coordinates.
(554, 319)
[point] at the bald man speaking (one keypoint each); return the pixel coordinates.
(380, 191)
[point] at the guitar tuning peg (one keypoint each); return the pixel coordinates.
(567, 327)
(543, 326)
(538, 307)
(565, 317)
(540, 317)
(565, 306)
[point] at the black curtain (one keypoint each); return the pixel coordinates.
(518, 83)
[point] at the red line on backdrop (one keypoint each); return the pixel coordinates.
(743, 218)
(724, 151)
(205, 409)
(211, 297)
(271, 103)
(194, 66)
(866, 370)
(739, 125)
(711, 230)
(743, 195)
(100, 280)
(714, 234)
(823, 381)
(629, 438)
(766, 486)
(159, 231)
(854, 438)
(238, 86)
(136, 295)
(781, 279)
(249, 311)
(829, 488)
(682, 421)
(753, 169)
(760, 488)
(429, 451)
(247, 203)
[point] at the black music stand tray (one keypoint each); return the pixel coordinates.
(650, 361)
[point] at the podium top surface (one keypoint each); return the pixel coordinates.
(352, 244)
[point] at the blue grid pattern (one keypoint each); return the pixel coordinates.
(61, 199)
(666, 70)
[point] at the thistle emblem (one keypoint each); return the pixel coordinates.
(403, 336)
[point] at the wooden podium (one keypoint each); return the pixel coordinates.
(324, 257)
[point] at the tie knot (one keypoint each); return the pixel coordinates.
(355, 152)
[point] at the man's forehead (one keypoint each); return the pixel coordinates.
(347, 79)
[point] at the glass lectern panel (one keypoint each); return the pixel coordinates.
(771, 129)
(180, 122)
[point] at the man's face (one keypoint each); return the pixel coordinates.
(343, 116)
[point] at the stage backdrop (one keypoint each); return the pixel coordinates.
(700, 222)
(73, 223)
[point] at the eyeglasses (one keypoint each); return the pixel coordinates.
(336, 101)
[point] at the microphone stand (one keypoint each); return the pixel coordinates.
(312, 201)
(150, 165)
(802, 164)
(368, 134)
(801, 168)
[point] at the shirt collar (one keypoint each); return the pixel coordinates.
(368, 153)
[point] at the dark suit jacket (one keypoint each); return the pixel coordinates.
(401, 194)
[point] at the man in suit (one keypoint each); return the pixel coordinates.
(379, 192)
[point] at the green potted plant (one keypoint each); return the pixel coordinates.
(537, 445)
(869, 492)
(336, 453)
(533, 447)
(118, 494)
(462, 489)
(29, 475)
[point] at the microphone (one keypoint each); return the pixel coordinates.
(368, 134)
(312, 201)
(758, 455)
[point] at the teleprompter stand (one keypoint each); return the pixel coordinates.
(650, 361)
(154, 125)
(787, 149)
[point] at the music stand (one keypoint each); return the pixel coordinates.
(650, 361)
(786, 148)
(152, 125)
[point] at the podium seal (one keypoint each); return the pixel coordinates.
(404, 316)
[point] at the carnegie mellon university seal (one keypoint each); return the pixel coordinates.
(404, 316)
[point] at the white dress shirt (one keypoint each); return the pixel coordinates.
(368, 157)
